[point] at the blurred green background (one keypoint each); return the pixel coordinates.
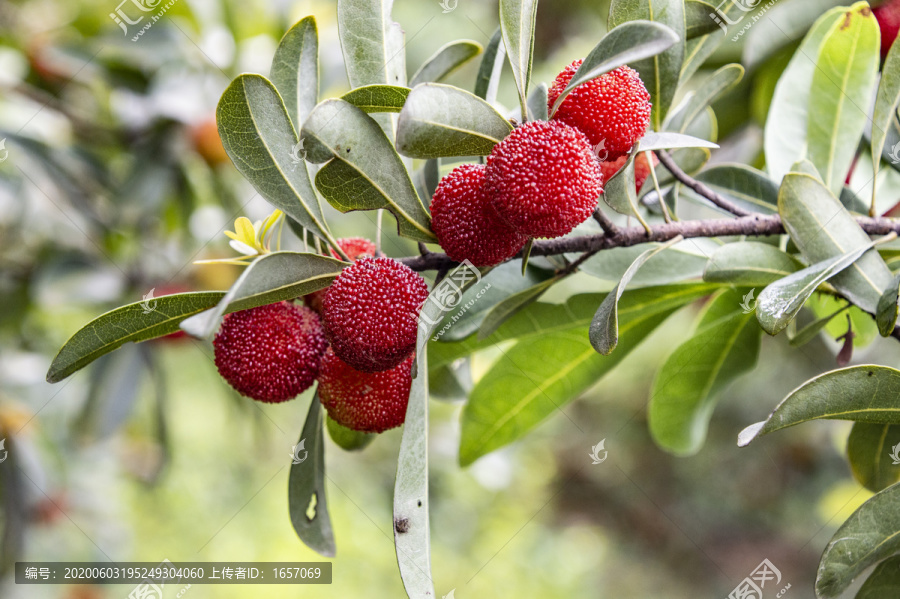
(115, 182)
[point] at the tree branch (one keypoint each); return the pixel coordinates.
(666, 159)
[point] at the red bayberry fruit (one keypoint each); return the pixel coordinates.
(641, 169)
(372, 402)
(270, 353)
(543, 179)
(355, 248)
(371, 313)
(888, 16)
(467, 224)
(613, 109)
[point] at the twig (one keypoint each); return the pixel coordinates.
(607, 225)
(666, 160)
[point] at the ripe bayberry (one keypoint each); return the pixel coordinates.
(371, 402)
(641, 168)
(355, 248)
(888, 16)
(467, 224)
(543, 179)
(371, 313)
(613, 109)
(270, 353)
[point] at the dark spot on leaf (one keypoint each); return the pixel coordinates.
(420, 503)
(866, 11)
(401, 525)
(871, 373)
(847, 18)
(348, 150)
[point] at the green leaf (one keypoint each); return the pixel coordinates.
(697, 20)
(446, 60)
(886, 102)
(553, 362)
(377, 98)
(511, 305)
(869, 448)
(347, 438)
(745, 186)
(295, 69)
(661, 72)
(488, 80)
(517, 19)
(887, 310)
(749, 264)
(537, 103)
(604, 331)
(132, 322)
(367, 174)
(619, 191)
(717, 84)
(779, 302)
(841, 94)
(259, 138)
(268, 279)
(809, 332)
(725, 346)
(625, 44)
(683, 261)
(884, 581)
(822, 228)
(786, 126)
(306, 487)
(866, 393)
(668, 140)
(442, 120)
(428, 178)
(868, 536)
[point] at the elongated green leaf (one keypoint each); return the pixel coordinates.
(510, 306)
(537, 103)
(366, 173)
(517, 19)
(888, 309)
(745, 186)
(627, 43)
(809, 332)
(699, 49)
(619, 191)
(697, 20)
(822, 228)
(868, 536)
(681, 262)
(661, 72)
(604, 331)
(133, 322)
(377, 98)
(668, 140)
(446, 60)
(442, 120)
(259, 138)
(840, 95)
(488, 80)
(749, 264)
(884, 581)
(295, 70)
(306, 486)
(886, 102)
(779, 302)
(271, 278)
(725, 346)
(866, 393)
(786, 126)
(869, 450)
(712, 88)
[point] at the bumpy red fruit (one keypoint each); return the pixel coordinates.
(613, 109)
(543, 179)
(371, 402)
(888, 16)
(467, 224)
(270, 353)
(641, 168)
(371, 313)
(355, 248)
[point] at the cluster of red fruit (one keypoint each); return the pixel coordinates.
(545, 178)
(357, 338)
